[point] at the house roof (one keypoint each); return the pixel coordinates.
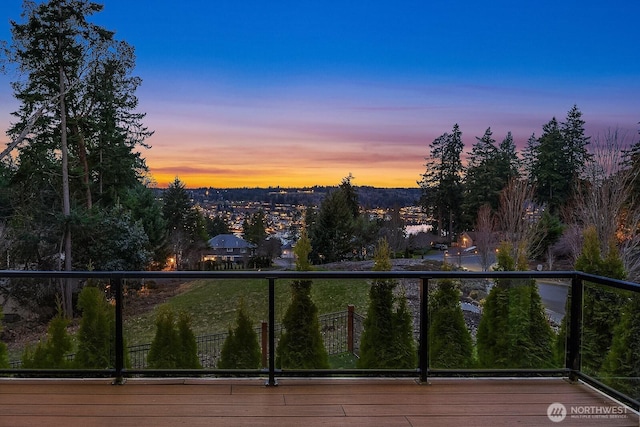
(225, 241)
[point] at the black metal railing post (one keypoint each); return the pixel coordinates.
(272, 332)
(117, 284)
(574, 353)
(423, 356)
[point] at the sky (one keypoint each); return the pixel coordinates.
(299, 93)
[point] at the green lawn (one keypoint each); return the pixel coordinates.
(213, 303)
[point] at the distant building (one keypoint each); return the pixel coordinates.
(229, 248)
(466, 239)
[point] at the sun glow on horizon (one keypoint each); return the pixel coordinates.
(387, 178)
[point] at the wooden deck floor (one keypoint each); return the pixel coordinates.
(300, 402)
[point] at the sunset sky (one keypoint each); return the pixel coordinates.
(293, 93)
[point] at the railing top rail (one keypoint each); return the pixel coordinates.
(321, 274)
(614, 283)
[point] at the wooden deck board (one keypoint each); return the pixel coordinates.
(295, 402)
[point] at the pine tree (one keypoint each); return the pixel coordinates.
(254, 228)
(483, 182)
(301, 345)
(387, 341)
(185, 225)
(76, 123)
(557, 159)
(332, 229)
(549, 169)
(450, 344)
(241, 349)
(575, 143)
(441, 184)
(508, 163)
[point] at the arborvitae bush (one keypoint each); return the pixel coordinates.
(51, 353)
(301, 345)
(96, 335)
(514, 331)
(174, 345)
(4, 357)
(188, 355)
(621, 367)
(241, 349)
(601, 307)
(450, 343)
(387, 341)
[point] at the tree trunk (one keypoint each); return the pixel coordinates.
(82, 153)
(66, 203)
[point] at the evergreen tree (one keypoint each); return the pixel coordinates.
(513, 331)
(241, 349)
(548, 231)
(450, 344)
(188, 346)
(4, 356)
(147, 211)
(482, 184)
(174, 345)
(52, 352)
(96, 335)
(77, 101)
(621, 367)
(301, 345)
(575, 144)
(185, 225)
(112, 241)
(529, 155)
(508, 163)
(387, 341)
(549, 169)
(558, 159)
(332, 229)
(254, 228)
(441, 184)
(602, 307)
(217, 225)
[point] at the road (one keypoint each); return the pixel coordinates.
(552, 292)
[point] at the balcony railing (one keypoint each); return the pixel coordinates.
(571, 369)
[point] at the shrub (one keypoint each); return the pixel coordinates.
(174, 345)
(387, 341)
(513, 331)
(4, 357)
(51, 353)
(241, 349)
(301, 345)
(450, 344)
(96, 337)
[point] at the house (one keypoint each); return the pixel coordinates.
(228, 248)
(466, 239)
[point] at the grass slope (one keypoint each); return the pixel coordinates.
(213, 304)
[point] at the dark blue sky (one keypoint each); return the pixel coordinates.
(362, 87)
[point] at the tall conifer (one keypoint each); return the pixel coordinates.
(301, 345)
(387, 341)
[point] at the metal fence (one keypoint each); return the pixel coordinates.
(340, 336)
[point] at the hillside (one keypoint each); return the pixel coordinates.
(369, 197)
